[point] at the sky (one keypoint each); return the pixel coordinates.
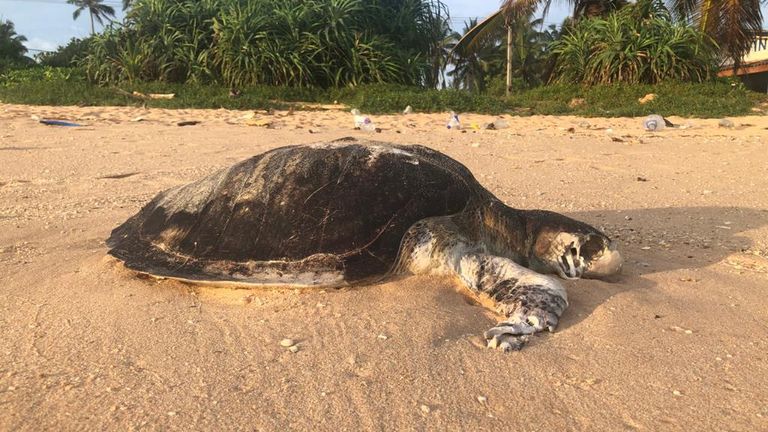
(48, 23)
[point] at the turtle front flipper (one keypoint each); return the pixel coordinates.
(531, 302)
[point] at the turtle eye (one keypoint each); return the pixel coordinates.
(592, 248)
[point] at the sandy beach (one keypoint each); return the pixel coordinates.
(679, 342)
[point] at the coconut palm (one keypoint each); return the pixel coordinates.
(516, 13)
(731, 23)
(12, 47)
(470, 69)
(96, 9)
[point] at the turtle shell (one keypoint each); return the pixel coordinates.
(338, 208)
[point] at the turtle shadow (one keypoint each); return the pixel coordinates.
(658, 240)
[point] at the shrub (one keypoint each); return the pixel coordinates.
(274, 42)
(638, 44)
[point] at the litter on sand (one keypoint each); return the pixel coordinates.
(52, 122)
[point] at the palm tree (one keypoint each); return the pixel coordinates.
(96, 8)
(731, 23)
(12, 47)
(519, 11)
(470, 69)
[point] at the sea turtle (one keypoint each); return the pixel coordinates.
(352, 211)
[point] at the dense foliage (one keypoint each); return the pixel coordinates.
(276, 42)
(66, 55)
(640, 43)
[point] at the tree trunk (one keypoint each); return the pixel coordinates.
(509, 59)
(93, 32)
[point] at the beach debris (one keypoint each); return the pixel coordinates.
(577, 102)
(677, 393)
(654, 123)
(725, 123)
(162, 95)
(188, 123)
(571, 130)
(585, 124)
(234, 93)
(497, 124)
(259, 123)
(617, 139)
(65, 123)
(137, 119)
(287, 343)
(647, 98)
(382, 336)
(681, 330)
(453, 121)
(482, 399)
(641, 179)
(363, 123)
(425, 409)
(293, 348)
(358, 118)
(407, 110)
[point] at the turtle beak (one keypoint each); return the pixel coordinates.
(608, 264)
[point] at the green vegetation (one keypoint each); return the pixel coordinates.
(59, 86)
(382, 55)
(324, 43)
(637, 44)
(67, 55)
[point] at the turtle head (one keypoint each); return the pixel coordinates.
(572, 249)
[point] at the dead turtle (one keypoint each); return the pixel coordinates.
(352, 211)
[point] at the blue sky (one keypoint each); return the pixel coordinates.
(48, 23)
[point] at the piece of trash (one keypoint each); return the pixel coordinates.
(571, 129)
(654, 123)
(358, 118)
(407, 110)
(647, 98)
(368, 126)
(188, 123)
(496, 125)
(453, 121)
(137, 119)
(161, 95)
(287, 342)
(616, 139)
(234, 93)
(577, 102)
(52, 122)
(258, 122)
(641, 179)
(725, 123)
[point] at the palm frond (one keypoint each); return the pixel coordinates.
(480, 33)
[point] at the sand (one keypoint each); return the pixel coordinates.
(679, 342)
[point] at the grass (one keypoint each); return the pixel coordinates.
(50, 86)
